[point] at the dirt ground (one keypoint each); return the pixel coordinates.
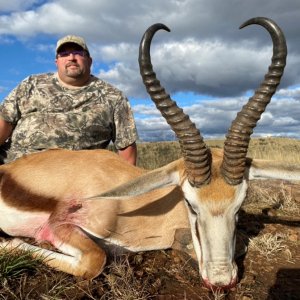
(270, 269)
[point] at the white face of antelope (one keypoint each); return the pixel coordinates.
(212, 211)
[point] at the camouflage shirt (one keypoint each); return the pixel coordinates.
(46, 114)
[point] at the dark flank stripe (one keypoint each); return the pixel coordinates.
(22, 198)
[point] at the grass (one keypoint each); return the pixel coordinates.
(19, 270)
(271, 197)
(52, 286)
(154, 155)
(282, 149)
(218, 295)
(281, 200)
(268, 244)
(57, 286)
(123, 283)
(13, 264)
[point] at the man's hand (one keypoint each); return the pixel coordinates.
(129, 153)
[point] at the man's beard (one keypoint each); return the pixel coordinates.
(74, 73)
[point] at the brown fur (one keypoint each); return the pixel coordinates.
(140, 222)
(218, 190)
(217, 193)
(16, 195)
(92, 259)
(49, 180)
(58, 173)
(69, 185)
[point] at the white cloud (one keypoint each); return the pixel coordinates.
(16, 5)
(205, 68)
(289, 93)
(213, 118)
(204, 53)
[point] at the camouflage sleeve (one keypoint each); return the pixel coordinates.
(9, 109)
(125, 129)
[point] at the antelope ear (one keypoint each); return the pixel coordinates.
(270, 169)
(162, 177)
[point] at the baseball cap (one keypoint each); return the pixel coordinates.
(72, 39)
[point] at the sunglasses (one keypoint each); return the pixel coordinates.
(81, 53)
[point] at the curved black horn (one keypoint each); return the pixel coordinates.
(238, 137)
(195, 153)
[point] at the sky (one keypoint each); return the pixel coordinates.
(206, 63)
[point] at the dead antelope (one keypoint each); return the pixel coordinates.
(88, 202)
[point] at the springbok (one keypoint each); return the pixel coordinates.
(88, 202)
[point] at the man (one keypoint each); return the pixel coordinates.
(69, 109)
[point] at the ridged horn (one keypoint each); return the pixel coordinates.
(238, 137)
(196, 155)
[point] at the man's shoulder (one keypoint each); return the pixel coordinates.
(35, 78)
(43, 76)
(105, 86)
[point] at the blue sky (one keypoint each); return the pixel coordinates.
(206, 63)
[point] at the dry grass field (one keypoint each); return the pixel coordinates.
(154, 155)
(268, 225)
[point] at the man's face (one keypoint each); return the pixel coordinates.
(73, 63)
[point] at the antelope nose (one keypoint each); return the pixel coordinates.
(220, 275)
